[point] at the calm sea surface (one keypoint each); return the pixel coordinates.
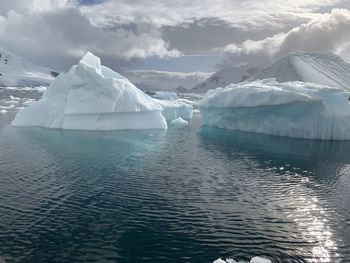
(190, 195)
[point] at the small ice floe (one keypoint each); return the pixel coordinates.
(227, 260)
(179, 123)
(260, 260)
(39, 89)
(253, 260)
(166, 95)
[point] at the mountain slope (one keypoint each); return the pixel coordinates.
(325, 69)
(225, 77)
(165, 80)
(17, 71)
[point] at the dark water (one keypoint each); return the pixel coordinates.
(190, 195)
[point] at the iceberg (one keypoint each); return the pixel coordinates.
(173, 109)
(294, 109)
(93, 97)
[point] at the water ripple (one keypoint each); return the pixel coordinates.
(192, 195)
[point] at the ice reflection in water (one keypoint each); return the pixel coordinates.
(190, 195)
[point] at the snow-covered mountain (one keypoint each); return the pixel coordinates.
(17, 71)
(325, 69)
(225, 77)
(165, 80)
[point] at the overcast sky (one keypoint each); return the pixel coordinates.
(172, 35)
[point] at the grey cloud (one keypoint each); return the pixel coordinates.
(329, 32)
(56, 33)
(246, 14)
(59, 36)
(201, 36)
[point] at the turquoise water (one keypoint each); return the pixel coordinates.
(191, 195)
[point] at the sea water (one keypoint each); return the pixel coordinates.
(185, 195)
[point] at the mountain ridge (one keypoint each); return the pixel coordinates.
(325, 69)
(18, 71)
(319, 68)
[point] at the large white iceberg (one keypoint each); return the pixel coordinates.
(93, 97)
(294, 109)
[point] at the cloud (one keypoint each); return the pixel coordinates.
(246, 14)
(31, 5)
(61, 32)
(56, 33)
(328, 32)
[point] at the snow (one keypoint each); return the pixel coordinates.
(93, 97)
(324, 69)
(224, 77)
(3, 111)
(294, 109)
(17, 71)
(179, 123)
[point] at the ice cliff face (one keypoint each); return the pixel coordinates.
(324, 69)
(294, 109)
(93, 97)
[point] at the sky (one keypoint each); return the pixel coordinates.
(172, 35)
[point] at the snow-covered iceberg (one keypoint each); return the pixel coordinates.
(294, 109)
(93, 97)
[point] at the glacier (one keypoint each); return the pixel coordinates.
(93, 97)
(293, 109)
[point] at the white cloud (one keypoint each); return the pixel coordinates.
(56, 32)
(328, 32)
(248, 14)
(59, 31)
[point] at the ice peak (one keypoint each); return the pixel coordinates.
(91, 61)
